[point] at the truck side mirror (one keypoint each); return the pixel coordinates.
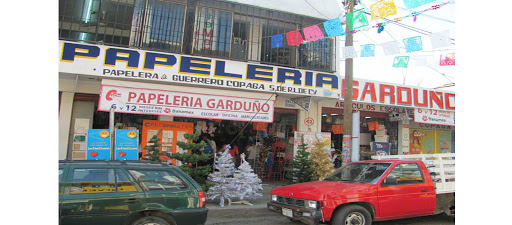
(390, 180)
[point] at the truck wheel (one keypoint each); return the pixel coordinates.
(352, 215)
(150, 220)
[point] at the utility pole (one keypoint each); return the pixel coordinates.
(349, 70)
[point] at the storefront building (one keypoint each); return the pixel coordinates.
(210, 64)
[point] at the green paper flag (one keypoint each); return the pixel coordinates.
(356, 20)
(401, 61)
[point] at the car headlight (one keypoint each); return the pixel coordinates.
(274, 198)
(311, 204)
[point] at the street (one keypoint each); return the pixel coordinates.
(262, 216)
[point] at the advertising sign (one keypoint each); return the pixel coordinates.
(127, 143)
(114, 62)
(172, 132)
(98, 144)
(422, 142)
(432, 116)
(309, 139)
(381, 148)
(184, 104)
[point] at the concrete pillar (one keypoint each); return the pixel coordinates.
(65, 111)
(355, 136)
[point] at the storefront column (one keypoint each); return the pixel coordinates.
(355, 135)
(313, 117)
(403, 137)
(65, 111)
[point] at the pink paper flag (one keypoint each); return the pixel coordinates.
(447, 60)
(294, 38)
(313, 33)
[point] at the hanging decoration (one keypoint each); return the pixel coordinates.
(447, 59)
(383, 9)
(294, 38)
(381, 28)
(368, 50)
(391, 48)
(440, 39)
(277, 41)
(356, 20)
(401, 61)
(313, 33)
(374, 125)
(333, 27)
(413, 44)
(422, 60)
(349, 52)
(411, 4)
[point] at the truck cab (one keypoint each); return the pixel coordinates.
(359, 193)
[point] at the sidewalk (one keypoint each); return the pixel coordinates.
(260, 203)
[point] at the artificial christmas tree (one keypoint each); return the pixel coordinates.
(322, 161)
(248, 183)
(194, 159)
(301, 165)
(222, 177)
(153, 151)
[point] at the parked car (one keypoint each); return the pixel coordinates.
(128, 193)
(374, 190)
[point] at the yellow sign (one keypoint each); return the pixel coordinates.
(383, 9)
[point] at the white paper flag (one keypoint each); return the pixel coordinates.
(422, 60)
(349, 52)
(391, 48)
(440, 39)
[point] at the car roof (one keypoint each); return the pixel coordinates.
(388, 161)
(115, 163)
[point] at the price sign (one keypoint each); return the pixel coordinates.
(433, 116)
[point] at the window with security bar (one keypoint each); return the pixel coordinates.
(212, 32)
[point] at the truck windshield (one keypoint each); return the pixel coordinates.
(359, 172)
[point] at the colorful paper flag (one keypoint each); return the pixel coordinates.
(294, 38)
(333, 27)
(356, 20)
(447, 60)
(440, 39)
(383, 9)
(277, 41)
(391, 48)
(413, 44)
(401, 61)
(411, 4)
(349, 52)
(313, 33)
(422, 60)
(368, 50)
(374, 125)
(337, 129)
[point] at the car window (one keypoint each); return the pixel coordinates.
(158, 180)
(61, 172)
(123, 182)
(93, 181)
(407, 173)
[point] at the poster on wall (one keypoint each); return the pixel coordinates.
(444, 141)
(127, 143)
(98, 144)
(422, 142)
(171, 133)
(309, 139)
(381, 148)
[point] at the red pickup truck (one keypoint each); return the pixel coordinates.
(365, 191)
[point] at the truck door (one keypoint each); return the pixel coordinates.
(411, 195)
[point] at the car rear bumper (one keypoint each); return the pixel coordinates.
(307, 216)
(190, 216)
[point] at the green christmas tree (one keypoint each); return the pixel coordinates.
(194, 159)
(301, 164)
(153, 151)
(322, 162)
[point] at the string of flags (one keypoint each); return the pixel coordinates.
(357, 22)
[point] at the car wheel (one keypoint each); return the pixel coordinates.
(352, 215)
(150, 220)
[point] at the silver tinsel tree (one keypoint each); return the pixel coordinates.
(248, 183)
(222, 177)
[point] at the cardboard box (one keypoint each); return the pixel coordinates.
(381, 132)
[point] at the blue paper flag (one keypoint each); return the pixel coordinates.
(368, 50)
(413, 44)
(410, 4)
(277, 41)
(333, 27)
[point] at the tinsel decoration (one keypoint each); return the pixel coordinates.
(222, 178)
(321, 160)
(249, 185)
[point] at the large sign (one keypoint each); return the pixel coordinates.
(152, 101)
(127, 144)
(98, 144)
(171, 133)
(365, 91)
(432, 116)
(113, 62)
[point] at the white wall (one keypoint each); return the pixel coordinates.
(329, 9)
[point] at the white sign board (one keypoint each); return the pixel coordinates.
(432, 116)
(184, 104)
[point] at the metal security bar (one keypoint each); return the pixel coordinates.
(217, 28)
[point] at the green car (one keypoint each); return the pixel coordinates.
(128, 193)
